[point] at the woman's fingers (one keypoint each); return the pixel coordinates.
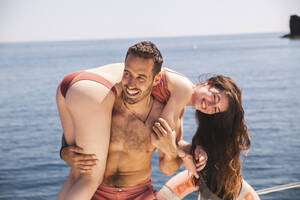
(200, 157)
(189, 164)
(200, 167)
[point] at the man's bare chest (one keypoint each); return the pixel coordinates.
(129, 133)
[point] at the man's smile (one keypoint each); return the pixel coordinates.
(132, 92)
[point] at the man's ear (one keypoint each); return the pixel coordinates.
(157, 79)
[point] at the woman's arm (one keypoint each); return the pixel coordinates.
(181, 90)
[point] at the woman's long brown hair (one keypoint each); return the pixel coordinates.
(223, 136)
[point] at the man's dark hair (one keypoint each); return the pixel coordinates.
(147, 49)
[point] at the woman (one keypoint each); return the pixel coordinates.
(224, 136)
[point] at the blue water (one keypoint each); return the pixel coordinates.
(266, 67)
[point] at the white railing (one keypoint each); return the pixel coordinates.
(278, 188)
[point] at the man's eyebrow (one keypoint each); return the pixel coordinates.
(143, 75)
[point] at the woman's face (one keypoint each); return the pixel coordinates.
(210, 100)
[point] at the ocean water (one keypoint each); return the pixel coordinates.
(266, 67)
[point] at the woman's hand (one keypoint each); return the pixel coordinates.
(200, 157)
(193, 166)
(76, 157)
(188, 163)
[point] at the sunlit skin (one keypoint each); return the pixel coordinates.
(137, 79)
(132, 140)
(209, 100)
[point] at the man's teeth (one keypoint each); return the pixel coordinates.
(203, 104)
(132, 92)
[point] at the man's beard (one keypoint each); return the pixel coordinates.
(129, 100)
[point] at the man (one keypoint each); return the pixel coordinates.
(128, 166)
(132, 141)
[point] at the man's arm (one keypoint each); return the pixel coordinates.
(63, 145)
(90, 113)
(172, 155)
(77, 158)
(164, 139)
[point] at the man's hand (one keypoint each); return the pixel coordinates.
(76, 157)
(163, 138)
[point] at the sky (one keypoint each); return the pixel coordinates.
(59, 20)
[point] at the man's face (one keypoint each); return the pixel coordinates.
(137, 80)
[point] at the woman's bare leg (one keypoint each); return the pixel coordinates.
(90, 112)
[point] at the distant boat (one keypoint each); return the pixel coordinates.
(294, 28)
